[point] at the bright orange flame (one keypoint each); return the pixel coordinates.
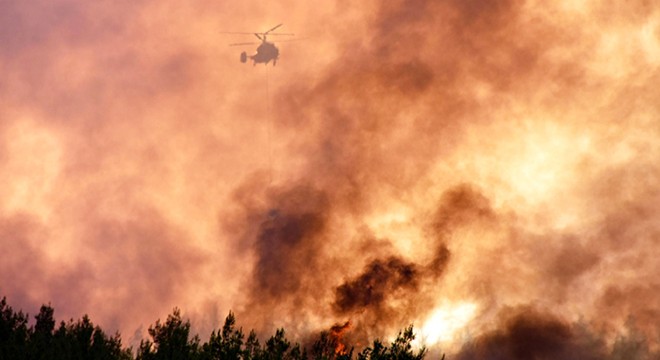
(336, 334)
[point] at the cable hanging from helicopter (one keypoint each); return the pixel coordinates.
(266, 51)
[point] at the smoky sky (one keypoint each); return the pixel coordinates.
(401, 156)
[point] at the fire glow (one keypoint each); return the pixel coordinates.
(446, 323)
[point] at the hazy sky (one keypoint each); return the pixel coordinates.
(436, 162)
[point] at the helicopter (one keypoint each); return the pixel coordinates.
(266, 51)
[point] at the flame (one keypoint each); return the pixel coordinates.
(336, 336)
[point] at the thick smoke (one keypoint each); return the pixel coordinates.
(529, 334)
(381, 278)
(408, 161)
(287, 241)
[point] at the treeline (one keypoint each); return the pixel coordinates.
(81, 339)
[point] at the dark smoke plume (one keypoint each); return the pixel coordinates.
(527, 333)
(380, 280)
(461, 205)
(289, 242)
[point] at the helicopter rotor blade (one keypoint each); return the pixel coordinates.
(235, 32)
(253, 33)
(280, 34)
(244, 43)
(259, 37)
(273, 28)
(290, 40)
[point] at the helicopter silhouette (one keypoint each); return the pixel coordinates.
(266, 51)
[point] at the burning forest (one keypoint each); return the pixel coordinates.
(485, 171)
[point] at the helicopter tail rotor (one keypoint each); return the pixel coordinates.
(243, 57)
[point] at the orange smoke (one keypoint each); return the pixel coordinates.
(479, 169)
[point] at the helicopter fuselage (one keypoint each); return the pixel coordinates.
(265, 53)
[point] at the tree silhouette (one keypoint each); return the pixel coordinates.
(227, 344)
(41, 338)
(279, 348)
(400, 349)
(252, 349)
(83, 340)
(79, 340)
(170, 341)
(13, 333)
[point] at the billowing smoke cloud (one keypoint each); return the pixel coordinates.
(380, 279)
(383, 278)
(529, 334)
(286, 236)
(427, 162)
